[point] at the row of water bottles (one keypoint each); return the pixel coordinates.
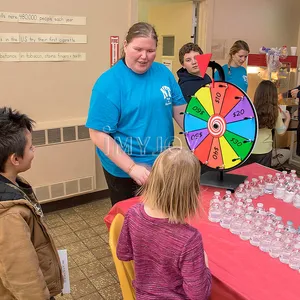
(283, 186)
(263, 228)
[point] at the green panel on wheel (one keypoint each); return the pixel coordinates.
(196, 109)
(239, 144)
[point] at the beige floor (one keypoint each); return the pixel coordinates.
(81, 230)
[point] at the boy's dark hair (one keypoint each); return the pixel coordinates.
(12, 134)
(187, 48)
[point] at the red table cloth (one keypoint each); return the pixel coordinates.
(240, 270)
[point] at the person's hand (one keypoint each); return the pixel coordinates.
(294, 93)
(205, 259)
(139, 174)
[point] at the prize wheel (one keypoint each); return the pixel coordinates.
(220, 125)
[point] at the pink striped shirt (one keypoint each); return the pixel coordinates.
(168, 258)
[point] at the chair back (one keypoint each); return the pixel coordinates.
(125, 269)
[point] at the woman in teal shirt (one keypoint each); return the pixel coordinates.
(234, 71)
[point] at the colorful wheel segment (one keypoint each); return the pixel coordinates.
(220, 125)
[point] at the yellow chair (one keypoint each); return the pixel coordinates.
(125, 269)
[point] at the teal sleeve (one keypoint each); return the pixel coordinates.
(103, 113)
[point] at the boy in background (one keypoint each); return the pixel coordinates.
(190, 80)
(29, 263)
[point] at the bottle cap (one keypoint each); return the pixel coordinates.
(272, 210)
(297, 246)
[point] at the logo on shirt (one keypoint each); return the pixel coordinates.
(245, 78)
(166, 91)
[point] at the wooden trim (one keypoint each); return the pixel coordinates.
(74, 201)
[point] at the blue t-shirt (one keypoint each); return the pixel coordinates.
(136, 110)
(237, 76)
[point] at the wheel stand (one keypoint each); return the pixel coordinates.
(223, 180)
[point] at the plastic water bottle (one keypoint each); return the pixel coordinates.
(227, 198)
(287, 180)
(256, 233)
(293, 172)
(289, 193)
(294, 178)
(271, 214)
(276, 245)
(247, 189)
(215, 211)
(283, 175)
(277, 177)
(250, 211)
(266, 239)
(248, 202)
(259, 207)
(269, 222)
(239, 193)
(216, 197)
(294, 261)
(296, 200)
(247, 228)
(236, 222)
(227, 216)
(254, 188)
(279, 228)
(269, 184)
(261, 185)
(286, 251)
(289, 227)
(240, 205)
(279, 189)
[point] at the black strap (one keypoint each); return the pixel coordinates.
(216, 66)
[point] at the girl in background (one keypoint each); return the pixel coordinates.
(269, 117)
(168, 254)
(234, 71)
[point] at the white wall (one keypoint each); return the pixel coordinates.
(145, 5)
(270, 23)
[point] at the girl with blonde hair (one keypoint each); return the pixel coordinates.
(168, 254)
(234, 71)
